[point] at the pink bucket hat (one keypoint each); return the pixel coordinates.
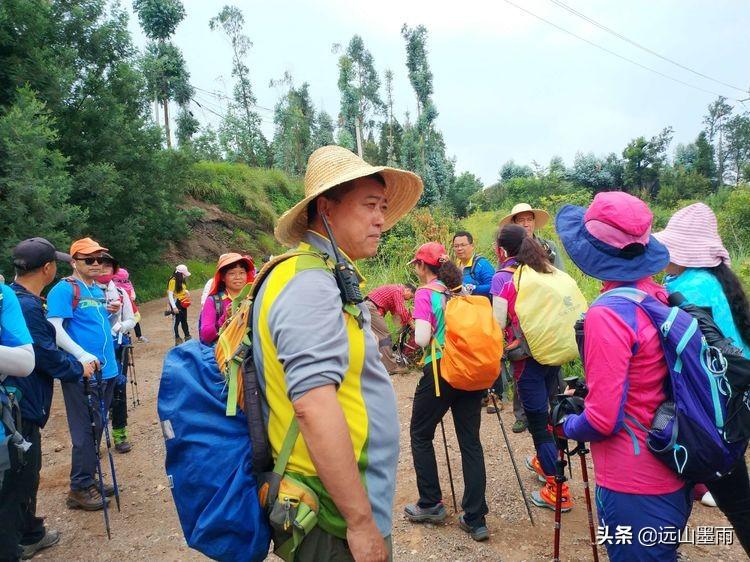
(692, 238)
(612, 240)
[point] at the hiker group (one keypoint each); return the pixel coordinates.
(298, 350)
(79, 334)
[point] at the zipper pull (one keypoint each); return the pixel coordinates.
(287, 515)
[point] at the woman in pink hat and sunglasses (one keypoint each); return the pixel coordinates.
(699, 270)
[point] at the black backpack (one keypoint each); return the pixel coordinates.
(737, 424)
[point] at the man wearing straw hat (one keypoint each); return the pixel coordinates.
(530, 218)
(526, 216)
(318, 360)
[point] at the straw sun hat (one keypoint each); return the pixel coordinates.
(330, 166)
(540, 215)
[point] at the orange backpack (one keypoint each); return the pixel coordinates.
(473, 344)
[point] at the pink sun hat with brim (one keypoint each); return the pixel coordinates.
(692, 238)
(611, 240)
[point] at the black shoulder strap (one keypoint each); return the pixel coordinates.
(474, 263)
(217, 298)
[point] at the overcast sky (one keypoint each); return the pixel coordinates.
(507, 85)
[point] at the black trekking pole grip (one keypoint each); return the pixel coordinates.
(90, 407)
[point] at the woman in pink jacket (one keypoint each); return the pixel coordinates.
(626, 374)
(233, 272)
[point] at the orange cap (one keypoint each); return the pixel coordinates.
(229, 259)
(86, 246)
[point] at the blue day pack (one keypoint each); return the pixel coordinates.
(688, 429)
(209, 459)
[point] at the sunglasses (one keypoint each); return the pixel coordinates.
(94, 260)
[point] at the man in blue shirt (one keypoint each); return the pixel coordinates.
(34, 260)
(78, 309)
(16, 360)
(477, 270)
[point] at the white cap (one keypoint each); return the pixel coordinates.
(182, 268)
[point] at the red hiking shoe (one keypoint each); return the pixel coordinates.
(547, 495)
(533, 464)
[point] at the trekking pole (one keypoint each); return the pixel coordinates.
(105, 428)
(87, 392)
(448, 461)
(559, 479)
(133, 378)
(513, 460)
(124, 368)
(582, 452)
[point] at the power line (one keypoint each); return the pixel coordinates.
(619, 56)
(642, 47)
(222, 96)
(204, 105)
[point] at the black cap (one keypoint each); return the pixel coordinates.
(35, 252)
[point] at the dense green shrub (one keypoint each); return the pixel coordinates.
(257, 193)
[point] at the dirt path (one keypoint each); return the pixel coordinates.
(148, 528)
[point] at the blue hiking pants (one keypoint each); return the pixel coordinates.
(535, 385)
(649, 526)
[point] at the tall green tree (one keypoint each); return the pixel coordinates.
(187, 126)
(512, 170)
(704, 158)
(738, 145)
(163, 64)
(359, 85)
(390, 132)
(715, 121)
(294, 118)
(323, 129)
(80, 61)
(644, 160)
(459, 196)
(432, 164)
(240, 132)
(34, 181)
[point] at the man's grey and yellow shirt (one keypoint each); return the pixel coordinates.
(303, 340)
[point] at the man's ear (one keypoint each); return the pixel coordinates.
(324, 208)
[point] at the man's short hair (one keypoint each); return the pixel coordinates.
(337, 194)
(410, 286)
(20, 272)
(468, 235)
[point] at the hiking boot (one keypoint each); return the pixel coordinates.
(520, 426)
(177, 341)
(87, 500)
(533, 464)
(478, 533)
(434, 514)
(143, 339)
(123, 447)
(51, 537)
(546, 496)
